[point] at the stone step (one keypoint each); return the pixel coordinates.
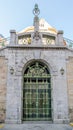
(36, 127)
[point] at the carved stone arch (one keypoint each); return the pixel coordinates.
(39, 60)
(24, 62)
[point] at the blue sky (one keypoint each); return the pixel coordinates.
(17, 14)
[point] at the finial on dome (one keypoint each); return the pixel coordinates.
(36, 10)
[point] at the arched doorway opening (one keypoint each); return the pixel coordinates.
(37, 93)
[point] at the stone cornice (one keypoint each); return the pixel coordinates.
(38, 47)
(57, 47)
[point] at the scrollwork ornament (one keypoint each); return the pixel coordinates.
(36, 10)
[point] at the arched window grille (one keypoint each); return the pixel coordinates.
(37, 93)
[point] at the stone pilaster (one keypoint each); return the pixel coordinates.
(12, 37)
(60, 37)
(3, 75)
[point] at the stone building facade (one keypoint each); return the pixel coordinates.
(36, 76)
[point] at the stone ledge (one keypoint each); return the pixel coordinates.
(36, 127)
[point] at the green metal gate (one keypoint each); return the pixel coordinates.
(37, 93)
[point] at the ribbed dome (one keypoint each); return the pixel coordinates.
(43, 27)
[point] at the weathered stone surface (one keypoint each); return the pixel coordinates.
(37, 126)
(70, 86)
(3, 81)
(56, 57)
(19, 59)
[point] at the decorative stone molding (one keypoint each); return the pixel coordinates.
(36, 36)
(45, 59)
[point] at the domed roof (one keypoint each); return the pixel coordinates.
(43, 27)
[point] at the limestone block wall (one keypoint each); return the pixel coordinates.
(3, 75)
(18, 58)
(70, 86)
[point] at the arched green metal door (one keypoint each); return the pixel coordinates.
(37, 93)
